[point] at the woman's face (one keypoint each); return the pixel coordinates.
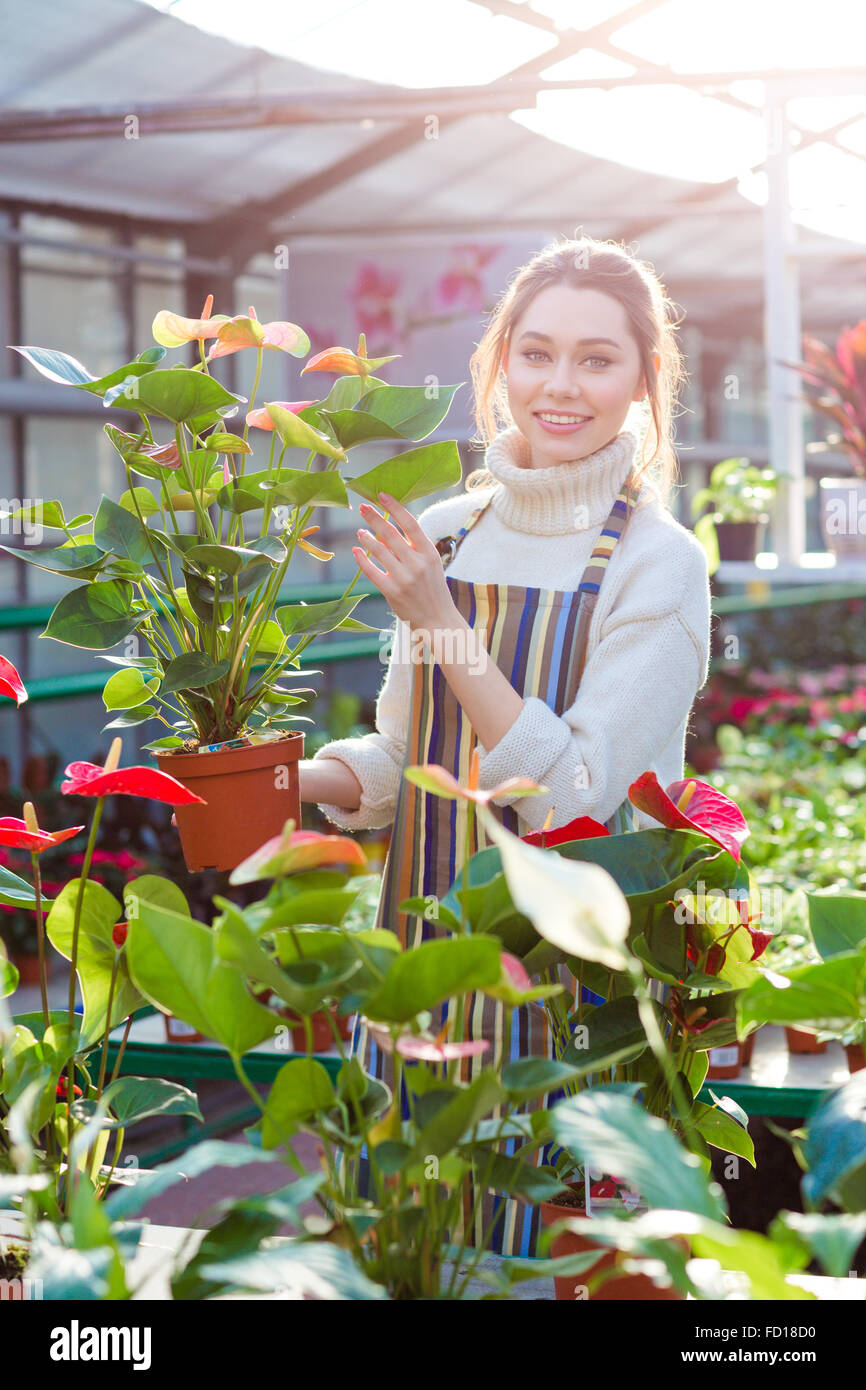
(572, 357)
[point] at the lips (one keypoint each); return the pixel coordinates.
(567, 418)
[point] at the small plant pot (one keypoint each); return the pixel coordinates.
(856, 1054)
(250, 794)
(28, 969)
(177, 1031)
(747, 1048)
(323, 1038)
(800, 1042)
(725, 1062)
(740, 540)
(843, 517)
(626, 1288)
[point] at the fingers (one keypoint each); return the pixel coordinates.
(386, 532)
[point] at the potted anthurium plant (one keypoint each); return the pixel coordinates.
(835, 384)
(185, 566)
(691, 942)
(738, 496)
(60, 1108)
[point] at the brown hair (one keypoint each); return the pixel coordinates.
(585, 263)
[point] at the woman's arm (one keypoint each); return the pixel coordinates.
(329, 780)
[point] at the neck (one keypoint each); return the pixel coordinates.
(564, 497)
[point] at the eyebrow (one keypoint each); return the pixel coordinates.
(581, 342)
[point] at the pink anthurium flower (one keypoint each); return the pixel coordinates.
(516, 971)
(295, 851)
(11, 683)
(421, 1047)
(433, 778)
(26, 834)
(581, 828)
(692, 805)
(262, 420)
(245, 331)
(89, 779)
(173, 330)
(346, 362)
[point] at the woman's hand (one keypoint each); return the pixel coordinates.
(412, 578)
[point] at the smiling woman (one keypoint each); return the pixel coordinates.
(567, 639)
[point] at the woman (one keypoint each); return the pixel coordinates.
(564, 614)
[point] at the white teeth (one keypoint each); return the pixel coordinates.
(562, 419)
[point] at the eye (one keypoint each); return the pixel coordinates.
(534, 352)
(605, 361)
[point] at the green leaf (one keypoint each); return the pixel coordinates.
(298, 433)
(611, 1132)
(140, 715)
(411, 475)
(301, 1090)
(613, 1034)
(322, 489)
(723, 1132)
(134, 1098)
(57, 366)
(315, 617)
(96, 954)
(172, 961)
(457, 1117)
(140, 499)
(97, 615)
(177, 394)
(434, 971)
(118, 532)
(15, 892)
(529, 1077)
(128, 688)
(192, 671)
(80, 561)
(518, 1178)
(314, 1269)
(837, 921)
(392, 412)
(827, 995)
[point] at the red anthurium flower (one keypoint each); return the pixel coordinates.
(603, 1189)
(88, 779)
(690, 1022)
(262, 420)
(516, 971)
(346, 362)
(119, 934)
(245, 331)
(760, 939)
(692, 805)
(18, 834)
(11, 683)
(582, 828)
(61, 1089)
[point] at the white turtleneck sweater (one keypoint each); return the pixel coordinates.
(647, 652)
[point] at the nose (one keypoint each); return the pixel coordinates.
(560, 381)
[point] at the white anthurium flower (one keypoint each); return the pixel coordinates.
(578, 907)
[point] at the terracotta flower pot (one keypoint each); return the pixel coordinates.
(802, 1042)
(725, 1062)
(747, 1048)
(856, 1054)
(179, 1032)
(323, 1038)
(626, 1288)
(250, 794)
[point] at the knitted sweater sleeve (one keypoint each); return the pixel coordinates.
(377, 758)
(636, 691)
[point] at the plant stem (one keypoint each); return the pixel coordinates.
(40, 937)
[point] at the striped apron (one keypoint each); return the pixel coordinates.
(538, 639)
